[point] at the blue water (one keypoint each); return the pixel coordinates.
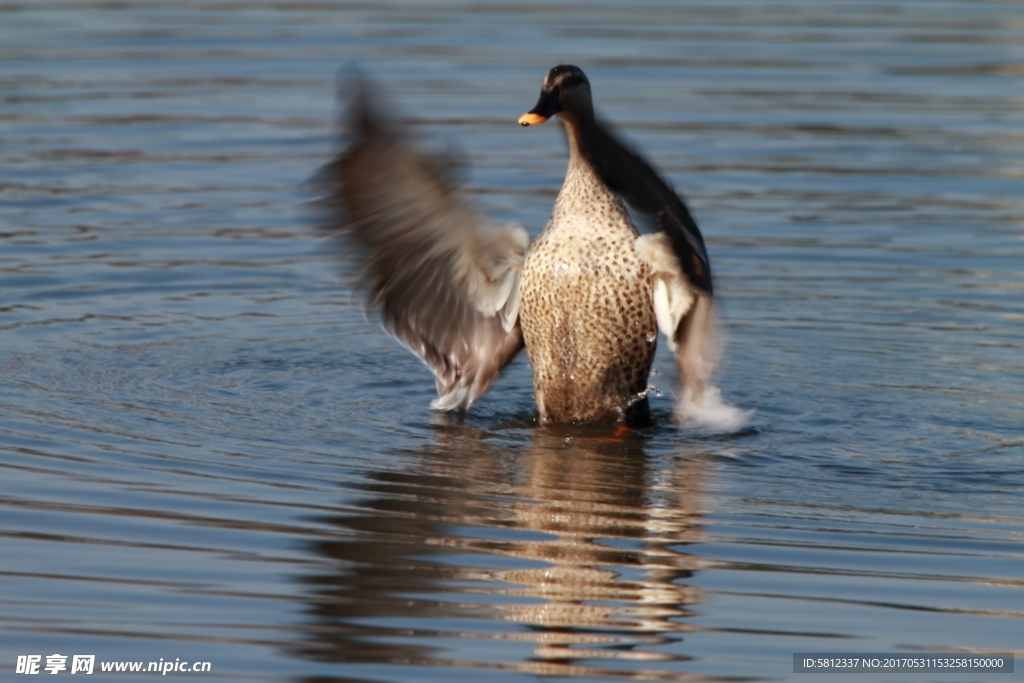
(208, 453)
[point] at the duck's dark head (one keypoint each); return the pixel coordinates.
(566, 91)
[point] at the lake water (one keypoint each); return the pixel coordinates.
(207, 453)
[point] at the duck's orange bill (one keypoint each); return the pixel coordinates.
(531, 119)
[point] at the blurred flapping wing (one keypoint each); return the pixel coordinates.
(444, 278)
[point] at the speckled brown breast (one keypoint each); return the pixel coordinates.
(586, 311)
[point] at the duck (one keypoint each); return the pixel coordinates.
(586, 298)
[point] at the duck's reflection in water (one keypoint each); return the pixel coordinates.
(612, 583)
(563, 557)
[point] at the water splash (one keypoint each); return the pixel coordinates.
(707, 410)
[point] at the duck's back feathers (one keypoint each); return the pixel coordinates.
(444, 278)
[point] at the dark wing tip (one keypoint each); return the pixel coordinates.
(633, 178)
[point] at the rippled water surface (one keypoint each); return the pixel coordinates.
(209, 454)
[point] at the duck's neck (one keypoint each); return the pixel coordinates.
(585, 203)
(577, 132)
(581, 179)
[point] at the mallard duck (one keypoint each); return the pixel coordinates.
(586, 298)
